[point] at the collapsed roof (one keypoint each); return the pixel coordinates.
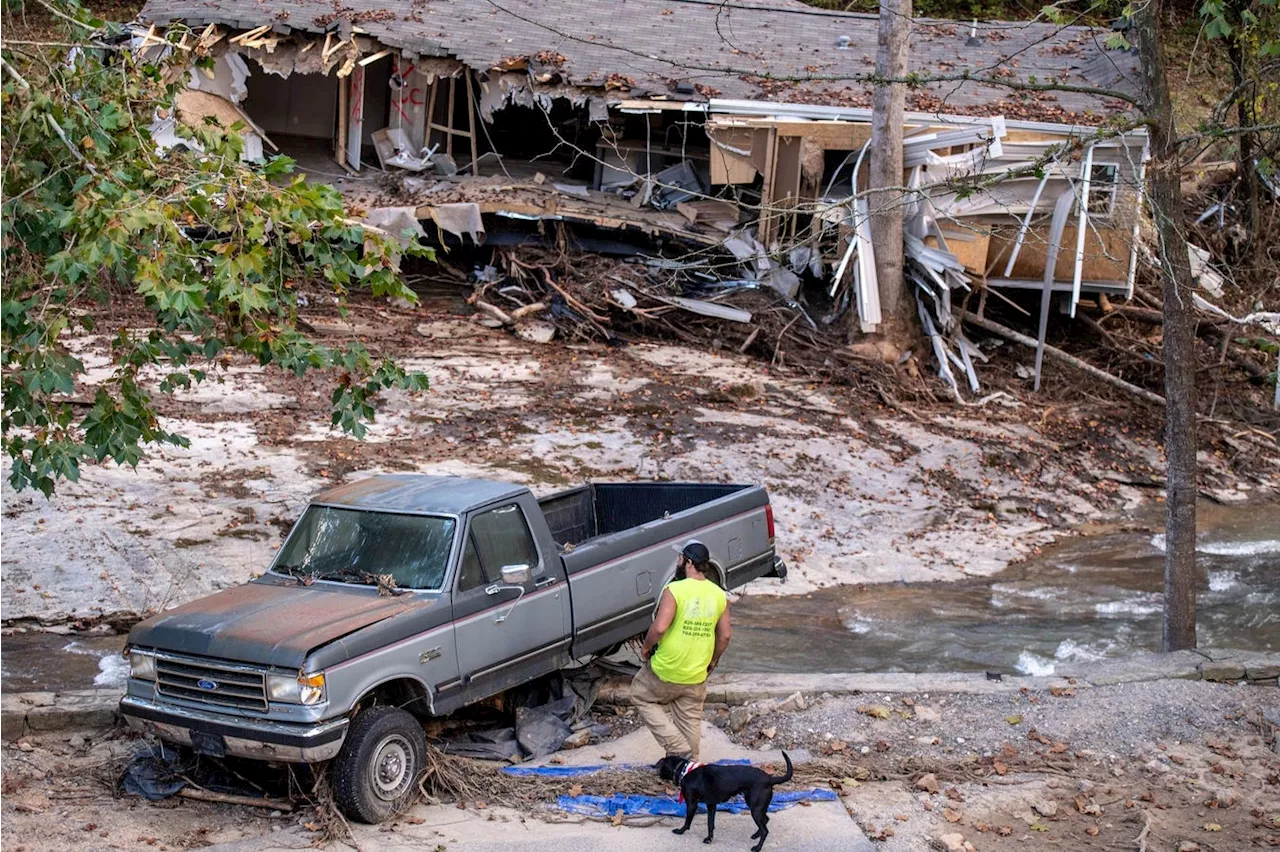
(696, 50)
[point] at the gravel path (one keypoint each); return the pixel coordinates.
(1124, 720)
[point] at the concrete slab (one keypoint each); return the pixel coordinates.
(819, 828)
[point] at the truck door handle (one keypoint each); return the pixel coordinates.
(544, 582)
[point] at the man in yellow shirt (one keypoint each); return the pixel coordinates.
(689, 634)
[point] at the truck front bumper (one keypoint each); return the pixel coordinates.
(259, 739)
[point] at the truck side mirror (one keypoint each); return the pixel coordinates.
(515, 575)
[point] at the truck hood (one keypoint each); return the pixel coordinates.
(269, 624)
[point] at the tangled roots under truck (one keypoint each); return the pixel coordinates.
(397, 598)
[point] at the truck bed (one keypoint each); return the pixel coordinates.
(586, 512)
(618, 543)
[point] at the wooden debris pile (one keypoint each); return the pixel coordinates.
(541, 294)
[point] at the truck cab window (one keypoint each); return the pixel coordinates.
(498, 537)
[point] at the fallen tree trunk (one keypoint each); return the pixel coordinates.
(1058, 355)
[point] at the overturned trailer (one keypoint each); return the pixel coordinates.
(719, 127)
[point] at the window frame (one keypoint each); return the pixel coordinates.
(467, 539)
(1111, 189)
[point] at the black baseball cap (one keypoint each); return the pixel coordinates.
(696, 552)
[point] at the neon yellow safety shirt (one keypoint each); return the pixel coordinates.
(689, 643)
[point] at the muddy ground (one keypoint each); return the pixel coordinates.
(1172, 763)
(864, 492)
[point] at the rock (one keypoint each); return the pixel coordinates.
(792, 703)
(1224, 797)
(76, 741)
(881, 350)
(770, 732)
(953, 842)
(578, 739)
(1222, 670)
(1045, 807)
(38, 699)
(739, 718)
(1085, 786)
(13, 718)
(536, 331)
(29, 802)
(1188, 846)
(928, 783)
(925, 713)
(1261, 666)
(76, 710)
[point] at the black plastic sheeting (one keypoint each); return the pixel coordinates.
(545, 712)
(160, 771)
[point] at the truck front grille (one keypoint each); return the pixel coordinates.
(210, 682)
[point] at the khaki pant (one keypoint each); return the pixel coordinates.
(671, 711)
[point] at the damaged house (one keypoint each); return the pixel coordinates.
(731, 137)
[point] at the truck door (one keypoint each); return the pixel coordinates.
(507, 634)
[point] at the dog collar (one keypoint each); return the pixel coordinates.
(688, 767)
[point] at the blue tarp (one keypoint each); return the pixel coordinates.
(607, 806)
(572, 771)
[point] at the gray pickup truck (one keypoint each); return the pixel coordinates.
(402, 597)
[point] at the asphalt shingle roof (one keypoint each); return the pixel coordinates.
(730, 49)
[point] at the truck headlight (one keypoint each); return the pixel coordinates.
(296, 689)
(142, 665)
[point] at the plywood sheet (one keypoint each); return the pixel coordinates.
(971, 252)
(1106, 254)
(729, 166)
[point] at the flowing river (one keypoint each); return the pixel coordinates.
(1086, 598)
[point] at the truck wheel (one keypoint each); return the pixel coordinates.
(375, 776)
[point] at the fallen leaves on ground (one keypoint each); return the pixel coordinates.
(877, 711)
(951, 815)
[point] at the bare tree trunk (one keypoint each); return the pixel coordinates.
(887, 107)
(1246, 118)
(1179, 340)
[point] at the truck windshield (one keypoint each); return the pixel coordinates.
(354, 546)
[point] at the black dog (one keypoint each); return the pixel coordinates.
(714, 785)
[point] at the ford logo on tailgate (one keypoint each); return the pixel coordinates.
(205, 683)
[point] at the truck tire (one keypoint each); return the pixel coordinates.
(375, 776)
